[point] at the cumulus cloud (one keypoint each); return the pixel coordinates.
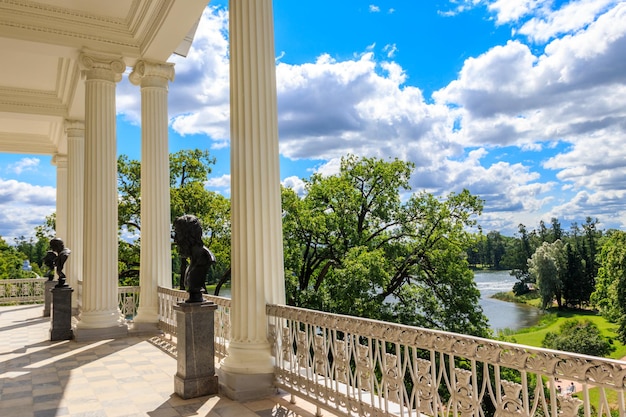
(562, 83)
(220, 184)
(198, 101)
(22, 207)
(295, 183)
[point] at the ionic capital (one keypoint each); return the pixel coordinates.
(59, 160)
(99, 66)
(152, 74)
(75, 129)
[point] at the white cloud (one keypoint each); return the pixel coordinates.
(568, 19)
(295, 183)
(573, 93)
(23, 206)
(374, 9)
(513, 10)
(23, 165)
(219, 184)
(199, 97)
(390, 50)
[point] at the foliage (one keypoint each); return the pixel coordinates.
(47, 230)
(610, 291)
(579, 336)
(34, 251)
(490, 251)
(11, 261)
(553, 319)
(189, 170)
(353, 247)
(547, 266)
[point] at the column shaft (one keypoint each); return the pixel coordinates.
(100, 276)
(60, 161)
(156, 250)
(257, 253)
(75, 196)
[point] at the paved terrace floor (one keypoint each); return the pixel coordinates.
(114, 378)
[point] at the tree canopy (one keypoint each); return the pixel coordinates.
(579, 336)
(610, 290)
(189, 170)
(352, 246)
(548, 266)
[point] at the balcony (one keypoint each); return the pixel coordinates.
(124, 377)
(332, 365)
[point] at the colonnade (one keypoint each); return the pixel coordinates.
(87, 197)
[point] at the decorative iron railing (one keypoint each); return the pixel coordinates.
(21, 291)
(361, 367)
(169, 297)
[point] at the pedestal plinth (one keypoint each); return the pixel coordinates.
(195, 373)
(61, 327)
(47, 297)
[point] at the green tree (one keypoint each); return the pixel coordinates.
(189, 170)
(353, 247)
(579, 336)
(11, 261)
(519, 260)
(608, 296)
(575, 293)
(547, 266)
(34, 250)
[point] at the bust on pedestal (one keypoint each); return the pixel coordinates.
(195, 376)
(61, 323)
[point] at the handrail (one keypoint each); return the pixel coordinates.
(355, 366)
(22, 290)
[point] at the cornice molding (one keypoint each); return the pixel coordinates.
(22, 100)
(25, 143)
(42, 22)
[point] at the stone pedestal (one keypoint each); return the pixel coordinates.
(61, 327)
(48, 286)
(195, 373)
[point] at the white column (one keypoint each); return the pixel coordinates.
(75, 131)
(100, 316)
(156, 249)
(256, 250)
(60, 161)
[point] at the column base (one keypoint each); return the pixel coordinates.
(144, 329)
(187, 388)
(246, 387)
(114, 332)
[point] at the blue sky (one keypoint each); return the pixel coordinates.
(523, 102)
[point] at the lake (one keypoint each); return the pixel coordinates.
(503, 314)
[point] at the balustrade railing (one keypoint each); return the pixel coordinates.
(169, 297)
(21, 291)
(128, 301)
(361, 367)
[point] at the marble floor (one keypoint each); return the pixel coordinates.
(122, 377)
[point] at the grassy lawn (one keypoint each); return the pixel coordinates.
(552, 320)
